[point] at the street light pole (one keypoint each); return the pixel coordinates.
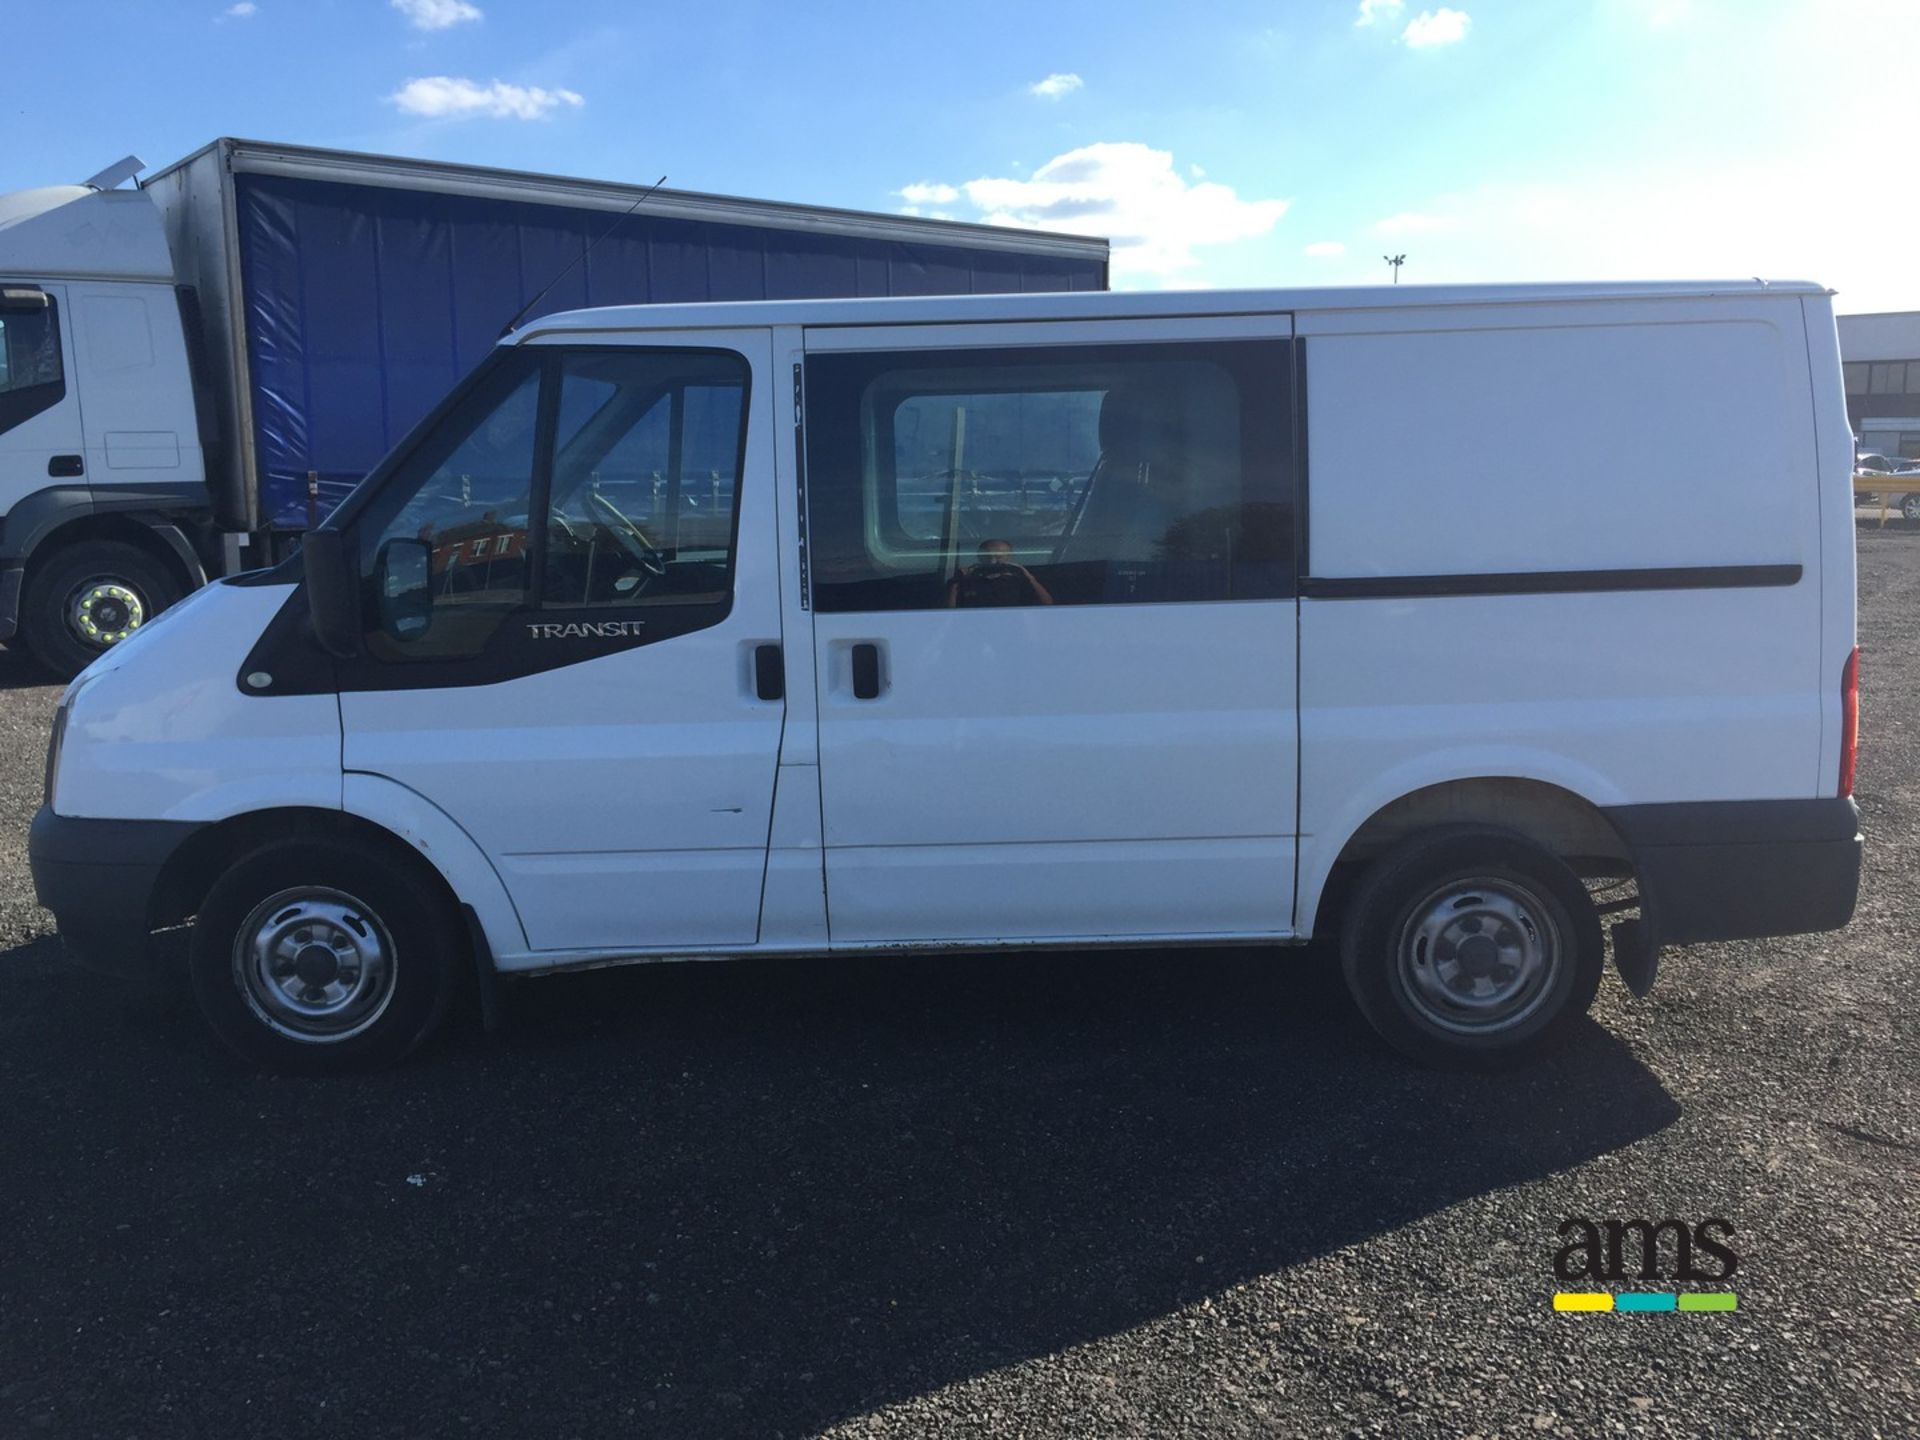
(1396, 261)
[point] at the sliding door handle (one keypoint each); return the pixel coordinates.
(866, 671)
(769, 673)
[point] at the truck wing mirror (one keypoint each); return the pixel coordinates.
(333, 592)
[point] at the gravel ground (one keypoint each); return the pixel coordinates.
(1078, 1195)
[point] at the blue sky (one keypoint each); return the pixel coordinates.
(1222, 142)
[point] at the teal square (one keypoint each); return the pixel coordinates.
(1645, 1300)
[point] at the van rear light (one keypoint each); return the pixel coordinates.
(1849, 721)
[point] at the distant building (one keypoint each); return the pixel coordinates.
(1881, 361)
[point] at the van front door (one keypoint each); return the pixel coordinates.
(1052, 580)
(570, 577)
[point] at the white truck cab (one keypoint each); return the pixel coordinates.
(966, 623)
(102, 485)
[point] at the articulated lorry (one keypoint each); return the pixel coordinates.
(193, 369)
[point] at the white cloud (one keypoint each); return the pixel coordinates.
(1128, 192)
(1056, 86)
(436, 14)
(1436, 27)
(1372, 11)
(1416, 222)
(450, 97)
(925, 192)
(242, 11)
(1326, 249)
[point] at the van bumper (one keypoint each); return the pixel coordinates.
(98, 878)
(1741, 869)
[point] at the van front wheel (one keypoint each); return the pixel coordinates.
(1471, 947)
(309, 956)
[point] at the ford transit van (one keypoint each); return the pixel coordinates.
(1072, 621)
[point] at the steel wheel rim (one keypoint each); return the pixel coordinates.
(315, 964)
(1910, 507)
(104, 611)
(1479, 956)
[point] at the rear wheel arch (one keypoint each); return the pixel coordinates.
(1557, 819)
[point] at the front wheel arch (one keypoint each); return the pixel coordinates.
(191, 871)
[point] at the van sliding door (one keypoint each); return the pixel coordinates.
(1053, 596)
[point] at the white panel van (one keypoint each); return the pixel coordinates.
(1412, 617)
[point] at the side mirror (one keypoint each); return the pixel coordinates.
(333, 592)
(403, 581)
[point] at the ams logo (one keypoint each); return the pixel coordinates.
(1600, 1251)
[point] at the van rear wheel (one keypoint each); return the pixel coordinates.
(1471, 947)
(83, 600)
(310, 956)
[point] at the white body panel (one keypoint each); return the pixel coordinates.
(160, 730)
(1620, 699)
(1634, 436)
(1562, 437)
(1071, 771)
(136, 394)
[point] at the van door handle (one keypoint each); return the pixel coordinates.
(866, 671)
(769, 674)
(65, 467)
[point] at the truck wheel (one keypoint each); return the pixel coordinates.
(314, 956)
(1471, 947)
(81, 601)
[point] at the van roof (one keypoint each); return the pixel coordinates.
(1108, 304)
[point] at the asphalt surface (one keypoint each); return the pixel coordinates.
(1067, 1195)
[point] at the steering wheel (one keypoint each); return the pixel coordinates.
(631, 537)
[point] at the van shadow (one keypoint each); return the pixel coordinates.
(716, 1199)
(20, 671)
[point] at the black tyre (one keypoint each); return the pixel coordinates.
(82, 600)
(314, 956)
(1471, 947)
(1910, 507)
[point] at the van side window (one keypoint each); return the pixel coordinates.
(646, 461)
(1073, 475)
(444, 547)
(32, 378)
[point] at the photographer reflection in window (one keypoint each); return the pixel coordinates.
(996, 580)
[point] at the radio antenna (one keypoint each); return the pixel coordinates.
(585, 251)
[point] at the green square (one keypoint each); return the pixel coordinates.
(1711, 1300)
